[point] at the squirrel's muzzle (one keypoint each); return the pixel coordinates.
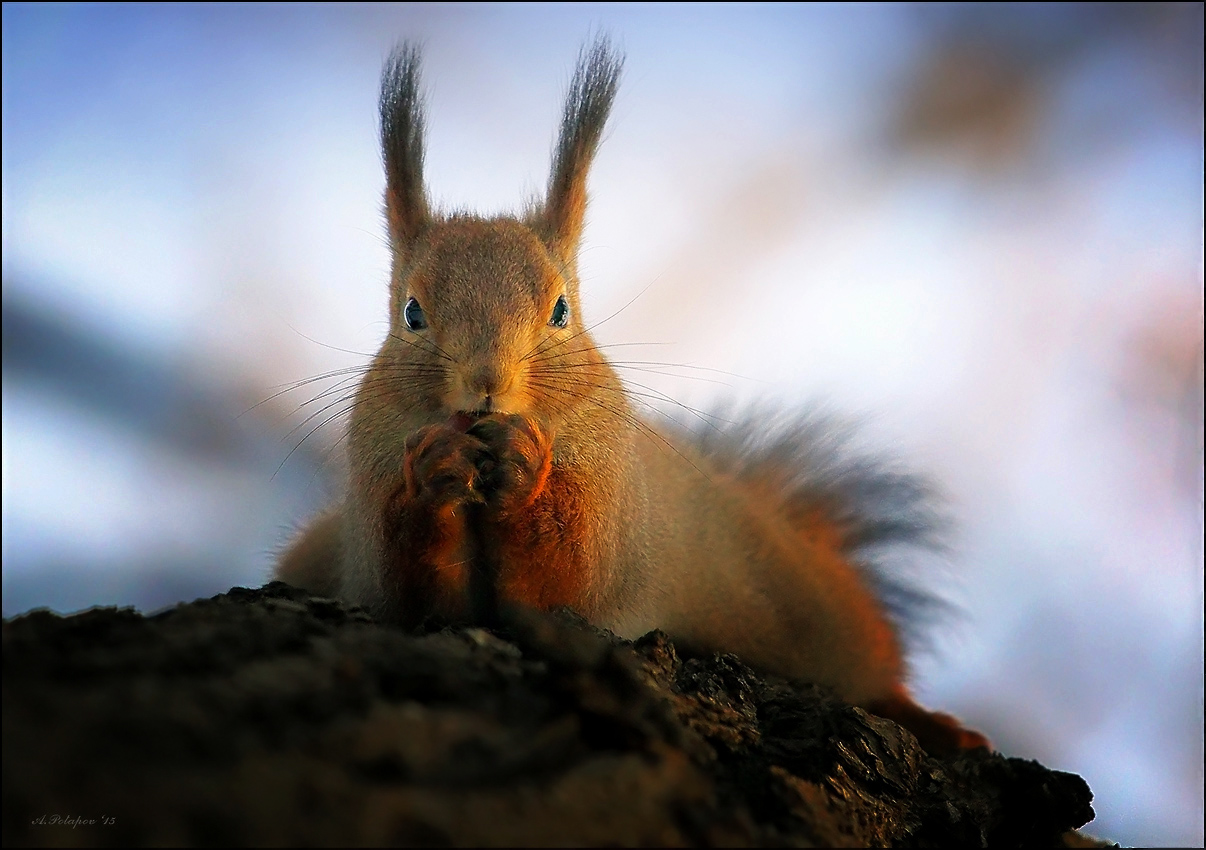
(483, 389)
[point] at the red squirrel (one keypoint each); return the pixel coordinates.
(491, 414)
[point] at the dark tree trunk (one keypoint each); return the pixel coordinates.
(271, 717)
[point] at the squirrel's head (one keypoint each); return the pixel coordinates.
(484, 313)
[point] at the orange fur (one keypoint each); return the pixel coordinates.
(425, 557)
(821, 531)
(544, 552)
(938, 733)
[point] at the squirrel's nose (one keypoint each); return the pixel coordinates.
(489, 382)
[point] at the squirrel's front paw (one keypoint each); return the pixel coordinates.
(519, 459)
(442, 466)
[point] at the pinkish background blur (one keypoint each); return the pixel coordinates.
(979, 227)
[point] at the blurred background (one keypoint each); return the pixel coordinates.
(978, 228)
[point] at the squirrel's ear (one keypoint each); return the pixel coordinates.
(587, 105)
(402, 146)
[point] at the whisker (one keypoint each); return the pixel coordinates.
(628, 417)
(655, 395)
(623, 367)
(296, 385)
(558, 358)
(331, 347)
(308, 436)
(684, 366)
(390, 374)
(427, 346)
(601, 371)
(345, 404)
(351, 396)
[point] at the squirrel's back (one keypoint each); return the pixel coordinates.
(743, 549)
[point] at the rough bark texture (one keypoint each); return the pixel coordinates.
(272, 717)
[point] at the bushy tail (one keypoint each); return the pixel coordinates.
(883, 518)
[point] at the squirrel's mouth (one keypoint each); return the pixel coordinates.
(463, 420)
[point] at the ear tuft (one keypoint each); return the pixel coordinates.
(402, 131)
(587, 105)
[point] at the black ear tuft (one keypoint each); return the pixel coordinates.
(587, 105)
(402, 133)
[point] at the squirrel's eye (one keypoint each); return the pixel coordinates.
(560, 317)
(413, 313)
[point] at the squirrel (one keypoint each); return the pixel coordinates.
(491, 428)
